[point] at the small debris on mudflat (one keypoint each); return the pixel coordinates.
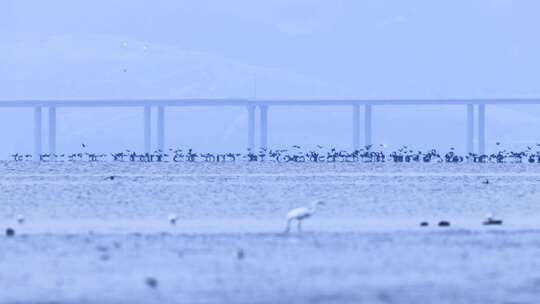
(102, 248)
(173, 218)
(444, 224)
(424, 224)
(151, 282)
(240, 254)
(492, 222)
(10, 232)
(104, 257)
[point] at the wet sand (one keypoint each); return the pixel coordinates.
(90, 240)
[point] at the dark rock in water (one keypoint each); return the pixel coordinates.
(151, 282)
(491, 221)
(10, 232)
(240, 254)
(444, 224)
(424, 224)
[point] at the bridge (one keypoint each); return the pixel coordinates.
(472, 108)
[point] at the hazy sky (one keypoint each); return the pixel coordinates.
(370, 47)
(297, 48)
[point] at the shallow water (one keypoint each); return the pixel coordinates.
(87, 239)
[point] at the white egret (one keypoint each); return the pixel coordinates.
(301, 213)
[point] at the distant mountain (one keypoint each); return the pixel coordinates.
(98, 49)
(110, 67)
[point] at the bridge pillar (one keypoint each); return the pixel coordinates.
(481, 129)
(356, 127)
(469, 145)
(251, 128)
(52, 132)
(264, 126)
(147, 129)
(36, 156)
(161, 128)
(368, 132)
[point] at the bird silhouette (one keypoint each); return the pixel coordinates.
(299, 214)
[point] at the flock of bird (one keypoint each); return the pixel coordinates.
(369, 154)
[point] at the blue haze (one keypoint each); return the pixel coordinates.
(297, 49)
